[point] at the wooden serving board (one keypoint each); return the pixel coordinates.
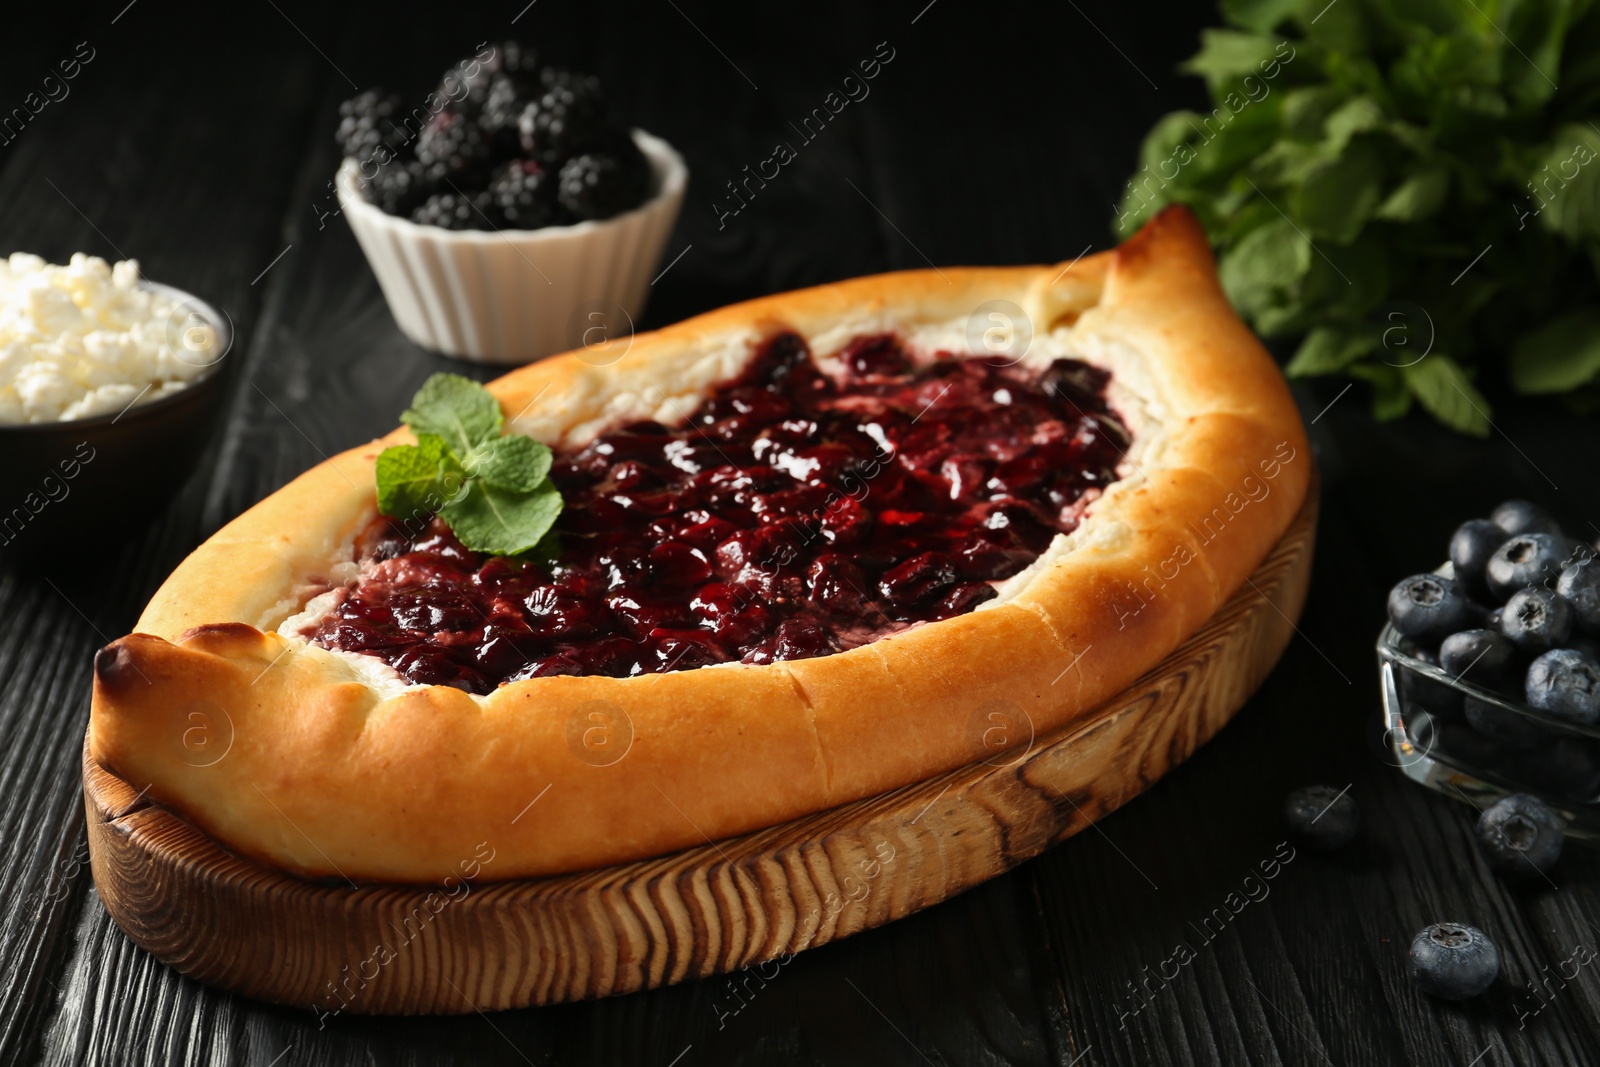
(750, 900)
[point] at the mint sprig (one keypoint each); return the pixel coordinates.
(494, 491)
(1411, 187)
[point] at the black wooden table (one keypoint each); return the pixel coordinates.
(199, 142)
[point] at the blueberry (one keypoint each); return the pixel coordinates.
(1511, 730)
(1579, 584)
(1460, 744)
(1453, 961)
(1422, 729)
(1527, 559)
(1477, 655)
(1324, 817)
(1470, 548)
(1431, 694)
(1568, 767)
(1426, 607)
(1536, 620)
(1587, 645)
(1520, 517)
(1520, 834)
(1566, 683)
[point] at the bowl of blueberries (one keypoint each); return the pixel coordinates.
(509, 214)
(1490, 667)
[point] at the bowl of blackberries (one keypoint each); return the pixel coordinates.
(1490, 666)
(510, 213)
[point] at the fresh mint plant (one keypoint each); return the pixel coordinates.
(492, 489)
(1388, 178)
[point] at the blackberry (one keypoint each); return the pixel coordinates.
(367, 121)
(597, 186)
(525, 195)
(510, 92)
(458, 211)
(398, 188)
(469, 94)
(455, 148)
(570, 116)
(461, 92)
(514, 57)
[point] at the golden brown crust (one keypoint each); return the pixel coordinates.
(308, 760)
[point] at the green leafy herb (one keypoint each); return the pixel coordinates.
(1411, 187)
(493, 490)
(458, 409)
(418, 479)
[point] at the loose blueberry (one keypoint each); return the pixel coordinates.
(1579, 585)
(1453, 961)
(1513, 731)
(1536, 620)
(1426, 607)
(1521, 517)
(1474, 542)
(1527, 559)
(1565, 683)
(1520, 834)
(1477, 655)
(1322, 816)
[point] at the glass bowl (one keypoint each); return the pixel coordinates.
(1479, 744)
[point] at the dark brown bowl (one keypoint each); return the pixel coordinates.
(98, 481)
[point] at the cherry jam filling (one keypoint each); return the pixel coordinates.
(796, 512)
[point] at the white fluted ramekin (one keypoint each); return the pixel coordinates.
(512, 296)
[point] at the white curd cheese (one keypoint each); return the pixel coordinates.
(86, 339)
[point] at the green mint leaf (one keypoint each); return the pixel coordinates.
(1261, 16)
(1306, 110)
(1327, 350)
(417, 479)
(1564, 187)
(1262, 269)
(1417, 197)
(1227, 56)
(512, 462)
(1390, 397)
(1532, 60)
(1359, 115)
(501, 521)
(1337, 197)
(458, 409)
(1443, 388)
(1561, 356)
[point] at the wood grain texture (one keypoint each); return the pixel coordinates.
(722, 907)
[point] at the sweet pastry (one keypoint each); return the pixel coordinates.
(812, 544)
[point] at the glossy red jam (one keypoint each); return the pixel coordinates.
(795, 513)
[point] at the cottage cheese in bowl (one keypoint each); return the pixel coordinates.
(90, 338)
